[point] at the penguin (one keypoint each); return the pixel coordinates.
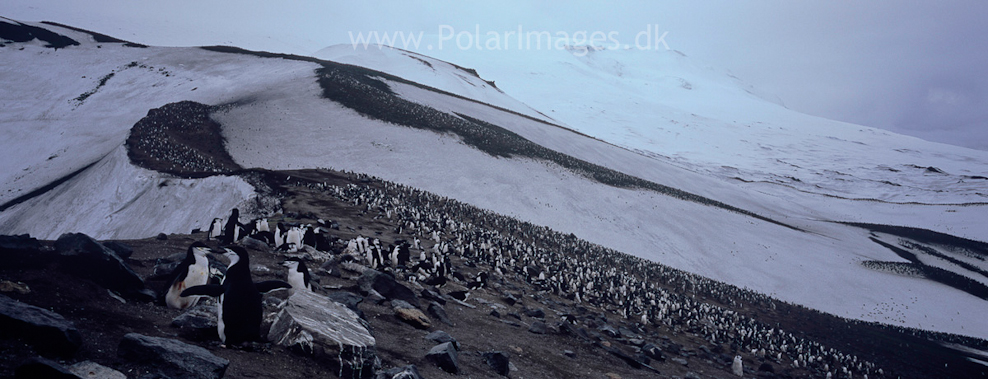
(238, 315)
(232, 229)
(192, 271)
(261, 225)
(737, 367)
(215, 229)
(298, 275)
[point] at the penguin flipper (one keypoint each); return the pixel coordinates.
(203, 290)
(271, 285)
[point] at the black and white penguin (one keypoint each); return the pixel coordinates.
(298, 275)
(215, 229)
(192, 271)
(239, 310)
(231, 232)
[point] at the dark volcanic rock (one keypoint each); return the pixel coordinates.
(123, 250)
(311, 324)
(440, 336)
(41, 368)
(22, 251)
(348, 299)
(498, 361)
(538, 327)
(407, 372)
(386, 285)
(47, 331)
(198, 323)
(438, 312)
(84, 257)
(766, 367)
(653, 352)
(534, 312)
(444, 355)
(172, 357)
(430, 294)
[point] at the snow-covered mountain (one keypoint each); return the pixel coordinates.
(642, 152)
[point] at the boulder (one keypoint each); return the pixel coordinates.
(444, 355)
(653, 352)
(41, 368)
(122, 250)
(349, 299)
(534, 312)
(198, 323)
(439, 313)
(431, 294)
(387, 286)
(47, 331)
(440, 336)
(413, 317)
(23, 251)
(498, 361)
(172, 357)
(84, 257)
(766, 367)
(538, 327)
(407, 372)
(314, 325)
(609, 331)
(93, 370)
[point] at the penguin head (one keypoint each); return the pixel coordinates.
(199, 250)
(294, 264)
(235, 254)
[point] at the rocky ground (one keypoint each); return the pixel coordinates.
(528, 326)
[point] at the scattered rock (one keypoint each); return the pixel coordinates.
(314, 325)
(498, 361)
(255, 244)
(538, 327)
(430, 294)
(84, 257)
(407, 372)
(93, 370)
(534, 312)
(161, 237)
(348, 299)
(172, 357)
(47, 331)
(41, 368)
(691, 375)
(22, 251)
(609, 331)
(680, 361)
(386, 285)
(653, 352)
(439, 313)
(444, 355)
(413, 317)
(123, 250)
(198, 323)
(766, 367)
(8, 286)
(612, 375)
(569, 353)
(495, 313)
(440, 336)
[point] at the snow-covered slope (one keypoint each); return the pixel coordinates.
(677, 210)
(664, 105)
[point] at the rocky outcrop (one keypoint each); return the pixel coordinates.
(48, 332)
(311, 324)
(172, 358)
(84, 257)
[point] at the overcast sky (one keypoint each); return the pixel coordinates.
(913, 67)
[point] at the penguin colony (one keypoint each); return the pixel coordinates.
(570, 268)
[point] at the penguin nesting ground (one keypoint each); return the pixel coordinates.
(192, 271)
(239, 310)
(298, 275)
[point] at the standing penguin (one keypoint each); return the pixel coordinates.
(215, 229)
(298, 275)
(737, 366)
(238, 315)
(232, 229)
(192, 271)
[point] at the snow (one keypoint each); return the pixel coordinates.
(646, 120)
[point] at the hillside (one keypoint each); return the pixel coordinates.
(100, 142)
